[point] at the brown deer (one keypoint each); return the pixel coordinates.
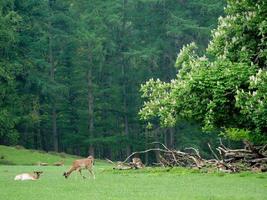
(137, 163)
(80, 164)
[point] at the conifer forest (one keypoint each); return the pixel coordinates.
(110, 77)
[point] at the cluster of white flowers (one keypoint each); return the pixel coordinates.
(252, 14)
(225, 22)
(244, 48)
(255, 79)
(234, 39)
(203, 58)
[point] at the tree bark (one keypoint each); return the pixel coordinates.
(125, 111)
(90, 104)
(172, 138)
(157, 153)
(124, 83)
(52, 78)
(55, 133)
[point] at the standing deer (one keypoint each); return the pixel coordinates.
(80, 164)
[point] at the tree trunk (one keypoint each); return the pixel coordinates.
(157, 153)
(90, 104)
(55, 133)
(171, 138)
(124, 83)
(54, 114)
(166, 137)
(37, 137)
(43, 140)
(52, 78)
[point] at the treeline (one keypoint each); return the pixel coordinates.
(70, 71)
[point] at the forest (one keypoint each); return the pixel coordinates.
(109, 77)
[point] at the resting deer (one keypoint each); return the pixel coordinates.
(60, 163)
(137, 163)
(78, 165)
(26, 176)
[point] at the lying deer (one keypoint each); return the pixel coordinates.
(137, 163)
(78, 165)
(26, 176)
(60, 163)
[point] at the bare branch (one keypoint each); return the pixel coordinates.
(110, 161)
(214, 154)
(165, 147)
(148, 150)
(195, 150)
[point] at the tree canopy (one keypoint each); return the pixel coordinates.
(224, 89)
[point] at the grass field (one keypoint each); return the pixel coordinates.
(147, 184)
(17, 155)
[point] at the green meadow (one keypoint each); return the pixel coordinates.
(146, 184)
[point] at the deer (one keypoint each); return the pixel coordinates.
(78, 165)
(60, 163)
(26, 176)
(137, 163)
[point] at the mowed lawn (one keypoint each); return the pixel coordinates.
(148, 184)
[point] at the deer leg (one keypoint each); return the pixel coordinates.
(91, 173)
(66, 174)
(80, 170)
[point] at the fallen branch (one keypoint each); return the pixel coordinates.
(214, 154)
(231, 160)
(146, 151)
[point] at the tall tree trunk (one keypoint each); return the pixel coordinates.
(172, 139)
(157, 153)
(52, 78)
(37, 133)
(91, 150)
(166, 137)
(55, 133)
(43, 139)
(125, 110)
(169, 137)
(124, 83)
(39, 136)
(146, 146)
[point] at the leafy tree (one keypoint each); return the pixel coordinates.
(226, 90)
(11, 72)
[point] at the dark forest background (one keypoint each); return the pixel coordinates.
(70, 71)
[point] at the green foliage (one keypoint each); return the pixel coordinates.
(226, 91)
(60, 57)
(252, 103)
(236, 134)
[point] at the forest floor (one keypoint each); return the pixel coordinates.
(144, 184)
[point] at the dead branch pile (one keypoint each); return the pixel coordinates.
(135, 164)
(252, 158)
(190, 157)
